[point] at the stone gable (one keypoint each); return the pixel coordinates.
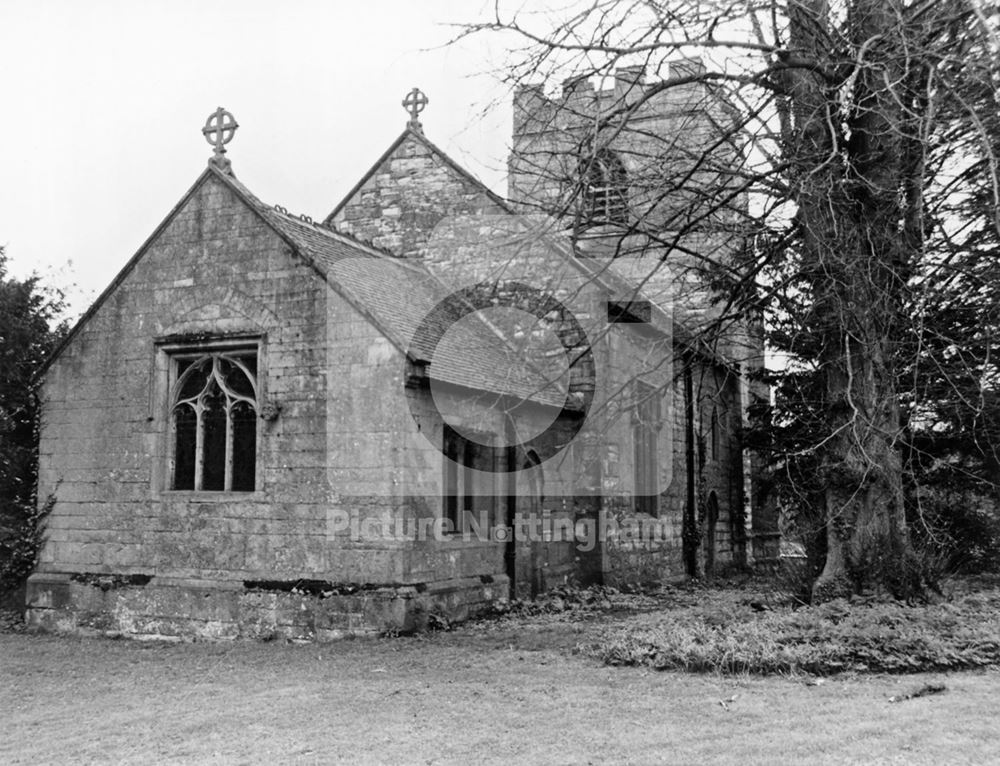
(408, 193)
(215, 269)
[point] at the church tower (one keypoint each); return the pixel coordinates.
(639, 174)
(644, 176)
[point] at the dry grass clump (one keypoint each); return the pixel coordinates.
(729, 636)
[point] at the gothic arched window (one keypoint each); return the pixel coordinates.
(214, 415)
(605, 188)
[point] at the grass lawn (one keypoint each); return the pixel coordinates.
(512, 691)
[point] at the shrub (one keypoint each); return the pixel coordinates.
(21, 541)
(834, 637)
(959, 527)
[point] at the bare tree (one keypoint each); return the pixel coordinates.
(831, 166)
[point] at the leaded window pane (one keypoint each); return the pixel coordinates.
(244, 446)
(185, 429)
(213, 421)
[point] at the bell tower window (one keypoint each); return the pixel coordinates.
(605, 188)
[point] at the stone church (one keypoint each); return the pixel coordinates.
(432, 400)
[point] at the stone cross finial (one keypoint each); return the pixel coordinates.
(414, 103)
(218, 131)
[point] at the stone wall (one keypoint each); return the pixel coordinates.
(215, 269)
(439, 216)
(127, 554)
(407, 196)
(305, 610)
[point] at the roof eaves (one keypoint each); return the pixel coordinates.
(493, 196)
(605, 279)
(122, 274)
(410, 132)
(371, 171)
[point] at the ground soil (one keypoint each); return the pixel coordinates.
(515, 690)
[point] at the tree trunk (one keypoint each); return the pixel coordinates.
(847, 179)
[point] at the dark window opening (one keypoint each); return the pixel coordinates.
(468, 464)
(645, 431)
(713, 436)
(244, 446)
(636, 311)
(451, 500)
(468, 471)
(185, 438)
(215, 423)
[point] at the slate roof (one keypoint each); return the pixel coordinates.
(397, 295)
(678, 323)
(393, 294)
(410, 132)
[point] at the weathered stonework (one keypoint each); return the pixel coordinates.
(349, 437)
(459, 241)
(179, 608)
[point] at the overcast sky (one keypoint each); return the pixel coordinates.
(103, 103)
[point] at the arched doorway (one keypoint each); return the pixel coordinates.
(711, 523)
